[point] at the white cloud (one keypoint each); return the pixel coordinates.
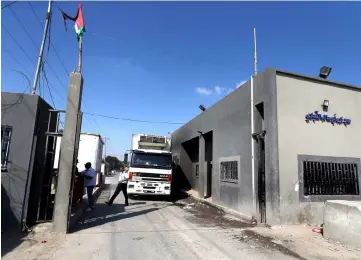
(219, 90)
(229, 90)
(240, 84)
(204, 91)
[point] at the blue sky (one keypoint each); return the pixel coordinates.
(159, 61)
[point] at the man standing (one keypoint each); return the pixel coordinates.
(89, 182)
(122, 186)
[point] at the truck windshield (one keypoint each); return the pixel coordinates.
(148, 160)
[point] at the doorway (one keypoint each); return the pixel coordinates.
(208, 157)
(259, 137)
(261, 173)
(209, 180)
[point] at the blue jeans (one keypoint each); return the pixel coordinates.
(89, 190)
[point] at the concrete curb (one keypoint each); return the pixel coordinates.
(243, 217)
(83, 206)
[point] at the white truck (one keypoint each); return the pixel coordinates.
(150, 165)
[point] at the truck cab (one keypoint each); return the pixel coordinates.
(149, 166)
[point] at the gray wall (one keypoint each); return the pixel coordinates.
(38, 173)
(18, 111)
(265, 91)
(296, 98)
(229, 119)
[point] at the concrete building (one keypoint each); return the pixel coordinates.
(24, 122)
(276, 148)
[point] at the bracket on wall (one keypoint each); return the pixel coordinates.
(258, 135)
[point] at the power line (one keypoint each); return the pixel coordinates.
(17, 43)
(45, 60)
(21, 95)
(15, 59)
(22, 25)
(134, 120)
(51, 44)
(8, 5)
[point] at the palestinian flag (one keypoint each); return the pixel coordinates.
(78, 19)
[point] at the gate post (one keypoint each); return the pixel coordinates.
(68, 148)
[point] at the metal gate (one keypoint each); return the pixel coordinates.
(50, 174)
(46, 200)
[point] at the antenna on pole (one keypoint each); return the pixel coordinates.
(255, 51)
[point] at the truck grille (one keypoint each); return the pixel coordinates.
(152, 175)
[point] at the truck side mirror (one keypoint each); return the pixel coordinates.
(125, 158)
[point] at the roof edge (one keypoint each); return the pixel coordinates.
(298, 75)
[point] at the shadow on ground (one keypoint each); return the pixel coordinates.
(104, 213)
(10, 227)
(176, 196)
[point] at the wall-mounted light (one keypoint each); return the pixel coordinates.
(201, 107)
(325, 105)
(324, 72)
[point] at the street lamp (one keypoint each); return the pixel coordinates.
(325, 72)
(325, 105)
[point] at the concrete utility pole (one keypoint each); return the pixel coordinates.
(63, 196)
(105, 147)
(40, 59)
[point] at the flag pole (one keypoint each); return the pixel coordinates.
(80, 54)
(40, 58)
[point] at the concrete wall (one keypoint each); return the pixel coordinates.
(229, 119)
(297, 97)
(18, 111)
(39, 174)
(342, 222)
(265, 91)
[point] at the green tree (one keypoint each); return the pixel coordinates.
(113, 162)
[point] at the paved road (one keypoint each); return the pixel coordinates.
(153, 228)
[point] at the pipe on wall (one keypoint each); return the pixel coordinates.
(252, 148)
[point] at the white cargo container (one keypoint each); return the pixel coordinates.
(90, 150)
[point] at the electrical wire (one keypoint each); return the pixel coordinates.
(15, 59)
(8, 5)
(50, 93)
(134, 120)
(22, 25)
(17, 43)
(45, 59)
(51, 44)
(20, 99)
(37, 48)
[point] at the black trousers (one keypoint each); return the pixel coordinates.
(121, 187)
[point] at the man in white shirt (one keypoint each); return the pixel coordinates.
(89, 175)
(122, 186)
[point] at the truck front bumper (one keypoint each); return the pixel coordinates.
(149, 188)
